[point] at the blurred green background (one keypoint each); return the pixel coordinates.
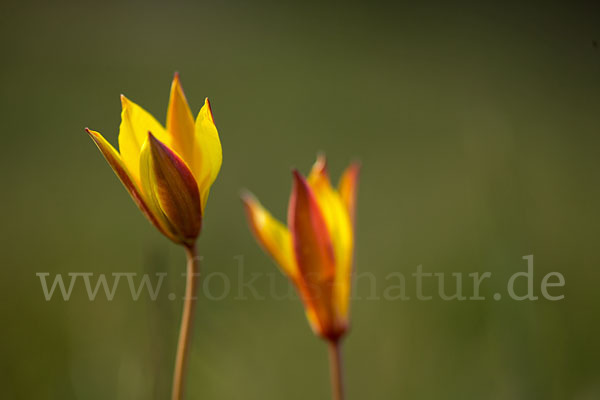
(478, 130)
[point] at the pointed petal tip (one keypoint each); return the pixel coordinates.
(356, 166)
(297, 175)
(207, 104)
(320, 164)
(154, 142)
(300, 182)
(247, 197)
(124, 101)
(321, 158)
(176, 80)
(250, 203)
(93, 134)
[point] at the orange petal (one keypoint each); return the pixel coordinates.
(168, 181)
(312, 244)
(314, 255)
(114, 160)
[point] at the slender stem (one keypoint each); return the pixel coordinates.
(189, 302)
(335, 364)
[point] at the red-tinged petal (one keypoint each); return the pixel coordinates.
(312, 244)
(114, 160)
(314, 255)
(273, 236)
(168, 181)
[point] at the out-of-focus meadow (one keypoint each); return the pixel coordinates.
(478, 130)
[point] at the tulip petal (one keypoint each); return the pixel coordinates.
(133, 131)
(169, 183)
(274, 237)
(314, 255)
(114, 160)
(180, 122)
(208, 153)
(340, 230)
(348, 188)
(312, 243)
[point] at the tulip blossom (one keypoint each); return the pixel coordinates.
(315, 250)
(168, 172)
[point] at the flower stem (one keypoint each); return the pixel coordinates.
(335, 364)
(189, 302)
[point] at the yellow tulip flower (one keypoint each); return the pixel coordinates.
(315, 250)
(168, 172)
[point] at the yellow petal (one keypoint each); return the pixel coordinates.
(171, 188)
(114, 160)
(180, 122)
(340, 229)
(276, 240)
(133, 131)
(273, 236)
(208, 155)
(348, 188)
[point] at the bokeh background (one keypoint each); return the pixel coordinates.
(478, 130)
